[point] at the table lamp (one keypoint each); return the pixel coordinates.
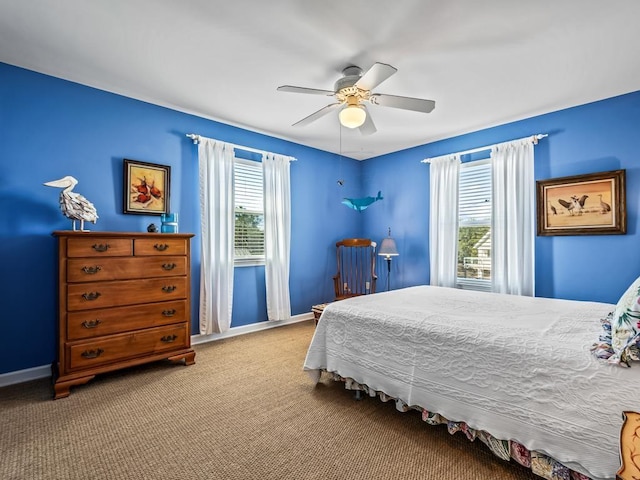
(387, 250)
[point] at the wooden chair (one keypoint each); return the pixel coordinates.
(356, 275)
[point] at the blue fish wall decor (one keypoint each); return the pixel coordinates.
(361, 204)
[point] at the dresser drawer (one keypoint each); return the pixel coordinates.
(160, 246)
(123, 300)
(93, 269)
(127, 345)
(96, 323)
(84, 296)
(99, 247)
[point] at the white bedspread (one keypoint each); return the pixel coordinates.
(519, 368)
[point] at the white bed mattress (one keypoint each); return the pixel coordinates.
(519, 368)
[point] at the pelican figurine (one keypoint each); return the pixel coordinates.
(72, 204)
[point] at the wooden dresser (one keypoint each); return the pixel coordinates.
(124, 299)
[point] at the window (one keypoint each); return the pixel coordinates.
(474, 226)
(249, 213)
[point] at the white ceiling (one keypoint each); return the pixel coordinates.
(485, 63)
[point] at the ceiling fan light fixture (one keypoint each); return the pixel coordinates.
(352, 90)
(352, 116)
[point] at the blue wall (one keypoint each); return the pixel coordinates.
(50, 128)
(596, 137)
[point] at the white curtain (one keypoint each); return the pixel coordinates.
(217, 235)
(277, 234)
(513, 218)
(444, 174)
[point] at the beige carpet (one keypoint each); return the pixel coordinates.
(245, 410)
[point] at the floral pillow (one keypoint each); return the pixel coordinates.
(602, 348)
(625, 327)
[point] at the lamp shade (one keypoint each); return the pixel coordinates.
(352, 116)
(388, 248)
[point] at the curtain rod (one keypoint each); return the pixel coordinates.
(480, 149)
(196, 139)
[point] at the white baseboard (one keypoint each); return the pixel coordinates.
(25, 375)
(43, 371)
(254, 327)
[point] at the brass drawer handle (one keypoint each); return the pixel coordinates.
(101, 247)
(169, 266)
(169, 288)
(169, 338)
(169, 313)
(91, 296)
(88, 354)
(91, 323)
(161, 247)
(91, 270)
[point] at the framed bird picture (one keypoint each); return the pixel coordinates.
(146, 188)
(591, 204)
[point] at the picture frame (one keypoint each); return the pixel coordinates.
(590, 204)
(146, 188)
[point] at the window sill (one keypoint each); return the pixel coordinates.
(249, 262)
(473, 284)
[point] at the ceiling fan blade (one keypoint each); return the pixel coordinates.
(313, 91)
(316, 115)
(406, 103)
(373, 77)
(368, 127)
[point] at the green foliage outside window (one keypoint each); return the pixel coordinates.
(468, 238)
(249, 233)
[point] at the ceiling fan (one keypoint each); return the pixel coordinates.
(352, 90)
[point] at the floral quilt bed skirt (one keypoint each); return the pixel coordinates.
(539, 463)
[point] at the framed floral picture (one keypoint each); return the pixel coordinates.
(589, 204)
(146, 188)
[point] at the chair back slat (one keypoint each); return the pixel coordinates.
(356, 262)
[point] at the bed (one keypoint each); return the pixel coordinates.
(516, 372)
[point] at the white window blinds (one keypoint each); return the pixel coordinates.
(475, 194)
(249, 212)
(474, 223)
